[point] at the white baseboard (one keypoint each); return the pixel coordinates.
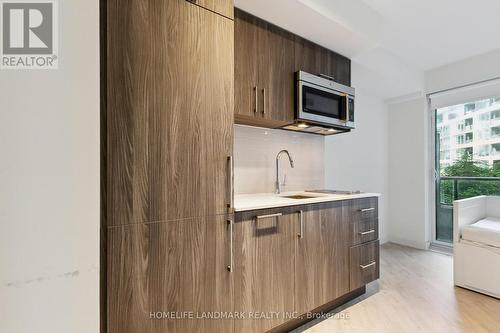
(409, 243)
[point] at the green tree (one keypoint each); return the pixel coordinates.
(467, 167)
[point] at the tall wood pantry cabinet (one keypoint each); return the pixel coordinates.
(168, 111)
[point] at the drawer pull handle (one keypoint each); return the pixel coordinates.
(373, 263)
(301, 221)
(367, 232)
(258, 217)
(256, 91)
(364, 210)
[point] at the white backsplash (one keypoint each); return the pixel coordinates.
(255, 151)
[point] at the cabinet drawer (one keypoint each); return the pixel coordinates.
(364, 230)
(363, 209)
(364, 264)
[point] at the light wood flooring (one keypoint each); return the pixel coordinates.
(415, 293)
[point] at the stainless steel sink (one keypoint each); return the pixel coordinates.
(300, 196)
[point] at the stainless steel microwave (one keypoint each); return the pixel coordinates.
(323, 102)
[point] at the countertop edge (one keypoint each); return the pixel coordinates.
(300, 202)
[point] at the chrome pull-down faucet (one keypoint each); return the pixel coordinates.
(278, 183)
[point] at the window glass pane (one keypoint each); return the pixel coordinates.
(467, 145)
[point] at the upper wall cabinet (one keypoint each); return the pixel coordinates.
(170, 102)
(264, 73)
(266, 59)
(314, 59)
(223, 7)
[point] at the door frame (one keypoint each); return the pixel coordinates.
(433, 180)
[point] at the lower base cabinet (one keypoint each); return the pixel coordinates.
(322, 263)
(264, 258)
(364, 261)
(250, 272)
(164, 277)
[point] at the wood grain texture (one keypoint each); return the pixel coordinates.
(170, 110)
(277, 74)
(362, 231)
(258, 121)
(364, 254)
(167, 267)
(264, 267)
(264, 59)
(315, 59)
(103, 129)
(362, 209)
(322, 260)
(246, 65)
(223, 7)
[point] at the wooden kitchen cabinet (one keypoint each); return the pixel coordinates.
(264, 72)
(169, 270)
(170, 104)
(364, 264)
(315, 59)
(264, 261)
(222, 7)
(322, 259)
(266, 59)
(363, 220)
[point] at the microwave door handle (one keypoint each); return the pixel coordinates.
(346, 108)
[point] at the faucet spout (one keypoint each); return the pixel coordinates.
(290, 159)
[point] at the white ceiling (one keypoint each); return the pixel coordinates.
(397, 40)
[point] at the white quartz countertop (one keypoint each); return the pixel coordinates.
(245, 202)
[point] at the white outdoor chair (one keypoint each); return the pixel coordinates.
(476, 244)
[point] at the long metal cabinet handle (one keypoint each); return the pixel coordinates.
(369, 265)
(230, 204)
(301, 225)
(258, 217)
(256, 92)
(367, 232)
(230, 223)
(264, 101)
(364, 210)
(347, 111)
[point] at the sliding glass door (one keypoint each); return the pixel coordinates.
(467, 138)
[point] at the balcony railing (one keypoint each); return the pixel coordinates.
(455, 188)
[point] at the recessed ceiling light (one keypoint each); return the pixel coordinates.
(302, 125)
(331, 130)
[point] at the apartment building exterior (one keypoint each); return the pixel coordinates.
(472, 128)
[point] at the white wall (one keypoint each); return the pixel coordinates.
(467, 71)
(411, 148)
(255, 152)
(409, 173)
(358, 160)
(49, 185)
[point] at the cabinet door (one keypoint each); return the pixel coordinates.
(264, 268)
(276, 74)
(311, 58)
(170, 108)
(315, 59)
(264, 72)
(322, 260)
(246, 64)
(166, 273)
(223, 7)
